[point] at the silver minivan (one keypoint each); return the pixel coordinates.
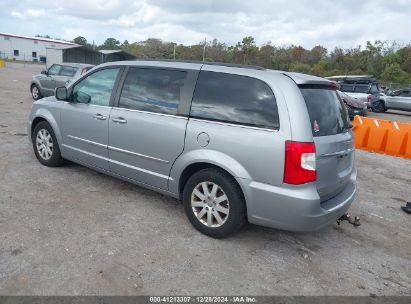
(234, 143)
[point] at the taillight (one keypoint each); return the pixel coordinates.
(369, 97)
(299, 163)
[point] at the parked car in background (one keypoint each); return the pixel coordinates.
(354, 106)
(233, 143)
(363, 87)
(43, 85)
(397, 100)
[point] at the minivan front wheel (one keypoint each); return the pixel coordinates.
(214, 203)
(45, 145)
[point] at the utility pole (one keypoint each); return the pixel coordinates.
(175, 51)
(205, 43)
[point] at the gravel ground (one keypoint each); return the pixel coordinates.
(72, 231)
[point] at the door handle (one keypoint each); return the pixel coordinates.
(120, 120)
(99, 117)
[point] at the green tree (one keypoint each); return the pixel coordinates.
(110, 44)
(394, 73)
(80, 40)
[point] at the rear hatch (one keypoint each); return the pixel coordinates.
(333, 138)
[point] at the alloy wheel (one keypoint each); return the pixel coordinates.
(44, 144)
(210, 204)
(35, 92)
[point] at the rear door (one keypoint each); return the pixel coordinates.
(148, 125)
(333, 139)
(402, 101)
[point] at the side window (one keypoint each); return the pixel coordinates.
(67, 71)
(96, 88)
(374, 89)
(404, 93)
(152, 90)
(54, 69)
(234, 99)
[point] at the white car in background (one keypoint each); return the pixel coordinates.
(397, 100)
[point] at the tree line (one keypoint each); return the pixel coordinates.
(388, 61)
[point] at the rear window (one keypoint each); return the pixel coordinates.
(234, 99)
(328, 115)
(361, 89)
(347, 88)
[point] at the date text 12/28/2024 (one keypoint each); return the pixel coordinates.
(203, 299)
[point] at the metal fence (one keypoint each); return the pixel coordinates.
(395, 86)
(22, 60)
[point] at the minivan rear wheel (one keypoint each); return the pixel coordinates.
(214, 203)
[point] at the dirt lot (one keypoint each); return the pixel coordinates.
(72, 231)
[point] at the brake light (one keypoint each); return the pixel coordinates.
(369, 97)
(300, 164)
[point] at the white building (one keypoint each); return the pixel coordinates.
(28, 48)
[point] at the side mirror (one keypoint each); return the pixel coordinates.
(61, 93)
(44, 72)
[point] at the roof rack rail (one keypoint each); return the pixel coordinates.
(354, 78)
(233, 65)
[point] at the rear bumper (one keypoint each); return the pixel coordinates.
(295, 209)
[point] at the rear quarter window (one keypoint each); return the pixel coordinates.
(234, 99)
(328, 115)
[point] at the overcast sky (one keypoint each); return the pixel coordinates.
(344, 23)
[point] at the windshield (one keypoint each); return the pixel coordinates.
(328, 115)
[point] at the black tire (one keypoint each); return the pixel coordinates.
(237, 215)
(55, 159)
(35, 94)
(379, 107)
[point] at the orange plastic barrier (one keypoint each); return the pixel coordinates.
(382, 136)
(362, 131)
(398, 139)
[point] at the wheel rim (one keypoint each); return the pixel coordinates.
(210, 204)
(35, 92)
(44, 144)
